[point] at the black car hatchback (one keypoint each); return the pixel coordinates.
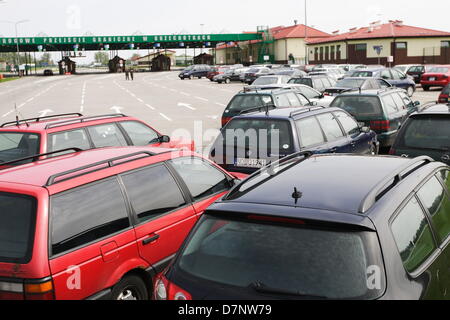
(426, 132)
(321, 227)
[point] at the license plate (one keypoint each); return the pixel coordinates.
(432, 79)
(251, 163)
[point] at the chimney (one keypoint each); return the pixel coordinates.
(335, 33)
(353, 30)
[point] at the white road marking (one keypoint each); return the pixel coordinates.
(165, 117)
(203, 99)
(221, 104)
(116, 109)
(149, 106)
(44, 113)
(185, 94)
(83, 95)
(186, 105)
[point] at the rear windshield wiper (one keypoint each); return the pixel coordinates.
(262, 288)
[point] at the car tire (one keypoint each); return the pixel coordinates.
(426, 88)
(130, 288)
(219, 82)
(410, 91)
(227, 81)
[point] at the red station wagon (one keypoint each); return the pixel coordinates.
(24, 138)
(100, 224)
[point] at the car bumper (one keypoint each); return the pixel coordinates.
(439, 83)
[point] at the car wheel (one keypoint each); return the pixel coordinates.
(227, 81)
(410, 91)
(426, 88)
(130, 288)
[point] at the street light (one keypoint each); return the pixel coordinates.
(306, 33)
(16, 23)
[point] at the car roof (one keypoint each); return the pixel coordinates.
(371, 69)
(338, 183)
(288, 113)
(38, 173)
(370, 92)
(60, 121)
(433, 108)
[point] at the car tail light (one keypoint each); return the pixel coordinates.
(30, 290)
(225, 120)
(392, 151)
(165, 290)
(382, 125)
(443, 98)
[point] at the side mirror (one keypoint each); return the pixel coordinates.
(417, 103)
(365, 129)
(164, 139)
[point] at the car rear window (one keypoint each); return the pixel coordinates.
(446, 90)
(360, 107)
(245, 102)
(350, 83)
(265, 81)
(438, 70)
(363, 74)
(426, 132)
(328, 263)
(17, 223)
(16, 145)
(305, 81)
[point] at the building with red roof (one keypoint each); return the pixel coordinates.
(392, 42)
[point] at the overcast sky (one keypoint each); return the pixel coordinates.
(106, 17)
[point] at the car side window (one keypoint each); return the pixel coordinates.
(348, 123)
(389, 104)
(330, 126)
(398, 101)
(293, 100)
(282, 100)
(413, 235)
(309, 92)
(107, 135)
(309, 132)
(318, 84)
(435, 199)
(153, 192)
(68, 139)
(140, 134)
(383, 84)
(386, 74)
(303, 100)
(201, 178)
(445, 176)
(87, 214)
(396, 75)
(406, 100)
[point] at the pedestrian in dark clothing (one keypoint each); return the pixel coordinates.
(132, 74)
(127, 75)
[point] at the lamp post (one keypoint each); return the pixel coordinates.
(202, 25)
(16, 23)
(306, 33)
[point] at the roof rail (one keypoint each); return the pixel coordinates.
(109, 162)
(12, 123)
(84, 119)
(391, 180)
(304, 110)
(37, 156)
(258, 109)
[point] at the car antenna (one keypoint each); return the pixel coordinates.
(297, 195)
(17, 116)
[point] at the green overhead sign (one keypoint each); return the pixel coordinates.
(129, 39)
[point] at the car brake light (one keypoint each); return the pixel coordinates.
(382, 125)
(165, 290)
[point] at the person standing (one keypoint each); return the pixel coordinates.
(132, 74)
(127, 74)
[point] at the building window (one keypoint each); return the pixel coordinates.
(400, 45)
(361, 47)
(327, 53)
(332, 53)
(338, 48)
(445, 44)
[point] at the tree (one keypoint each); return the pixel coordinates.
(45, 60)
(101, 57)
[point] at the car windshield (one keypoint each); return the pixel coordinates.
(259, 134)
(316, 262)
(403, 69)
(363, 74)
(362, 108)
(426, 132)
(17, 220)
(438, 70)
(249, 101)
(17, 145)
(265, 81)
(253, 70)
(305, 81)
(189, 68)
(349, 83)
(415, 69)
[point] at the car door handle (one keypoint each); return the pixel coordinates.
(150, 240)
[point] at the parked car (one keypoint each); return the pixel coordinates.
(269, 80)
(426, 132)
(291, 72)
(336, 74)
(195, 71)
(253, 140)
(444, 96)
(349, 67)
(403, 68)
(51, 133)
(230, 75)
(417, 71)
(48, 72)
(384, 111)
(254, 73)
(357, 83)
(339, 227)
(395, 77)
(214, 71)
(263, 100)
(438, 76)
(99, 224)
(320, 82)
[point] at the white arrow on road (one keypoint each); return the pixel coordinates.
(44, 113)
(116, 109)
(187, 105)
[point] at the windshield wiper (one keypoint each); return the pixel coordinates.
(262, 288)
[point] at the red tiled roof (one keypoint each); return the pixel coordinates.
(393, 29)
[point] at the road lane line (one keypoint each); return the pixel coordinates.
(203, 99)
(149, 106)
(185, 94)
(165, 117)
(221, 104)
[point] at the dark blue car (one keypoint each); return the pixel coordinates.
(195, 71)
(395, 77)
(249, 142)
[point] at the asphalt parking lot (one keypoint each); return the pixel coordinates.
(189, 108)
